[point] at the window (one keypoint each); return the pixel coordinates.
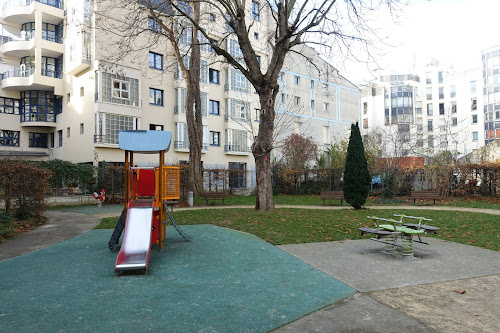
(430, 141)
(428, 79)
(214, 138)
(296, 79)
(475, 136)
(239, 82)
(120, 89)
(312, 84)
(441, 109)
(326, 135)
(429, 109)
(38, 140)
(203, 71)
(81, 128)
(418, 107)
(474, 104)
(256, 35)
(68, 98)
(255, 10)
(313, 105)
(214, 76)
(155, 97)
(440, 77)
(365, 108)
(9, 105)
(237, 175)
(68, 132)
(155, 61)
(474, 119)
(214, 107)
(429, 126)
(235, 50)
(257, 114)
(110, 125)
(454, 121)
(453, 91)
(153, 25)
(472, 87)
(441, 93)
(365, 123)
(9, 138)
(59, 138)
(154, 127)
(239, 109)
(429, 93)
(454, 107)
(297, 100)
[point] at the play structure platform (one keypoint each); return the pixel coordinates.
(148, 190)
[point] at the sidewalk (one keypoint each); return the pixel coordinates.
(424, 295)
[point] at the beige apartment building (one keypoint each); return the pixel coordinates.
(65, 94)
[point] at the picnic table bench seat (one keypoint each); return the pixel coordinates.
(332, 195)
(424, 195)
(214, 196)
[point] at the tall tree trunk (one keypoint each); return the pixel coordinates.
(193, 111)
(261, 150)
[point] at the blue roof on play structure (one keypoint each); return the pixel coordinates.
(145, 141)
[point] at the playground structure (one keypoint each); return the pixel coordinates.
(148, 191)
(389, 231)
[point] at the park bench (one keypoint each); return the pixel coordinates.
(424, 195)
(389, 231)
(332, 195)
(214, 196)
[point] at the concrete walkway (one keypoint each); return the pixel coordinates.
(452, 288)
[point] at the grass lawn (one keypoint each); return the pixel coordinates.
(293, 226)
(315, 200)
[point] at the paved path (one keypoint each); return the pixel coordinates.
(453, 288)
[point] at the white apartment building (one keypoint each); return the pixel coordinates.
(425, 112)
(62, 96)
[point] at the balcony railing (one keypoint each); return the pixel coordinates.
(23, 36)
(181, 144)
(87, 58)
(101, 138)
(53, 3)
(38, 117)
(19, 72)
(237, 148)
(50, 73)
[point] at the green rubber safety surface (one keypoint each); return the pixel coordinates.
(222, 281)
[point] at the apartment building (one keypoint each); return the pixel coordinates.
(65, 95)
(425, 112)
(491, 93)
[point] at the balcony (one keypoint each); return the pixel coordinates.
(80, 65)
(31, 79)
(237, 149)
(19, 45)
(21, 11)
(38, 119)
(181, 146)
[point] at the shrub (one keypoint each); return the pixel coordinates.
(356, 176)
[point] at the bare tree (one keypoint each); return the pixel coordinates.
(288, 26)
(131, 37)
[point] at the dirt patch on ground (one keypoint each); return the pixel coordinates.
(468, 305)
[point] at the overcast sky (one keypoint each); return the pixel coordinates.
(453, 31)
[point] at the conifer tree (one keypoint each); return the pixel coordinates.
(356, 175)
